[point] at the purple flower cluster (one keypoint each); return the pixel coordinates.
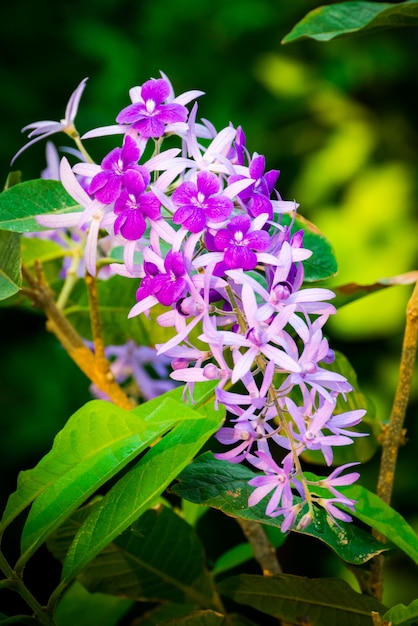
(202, 227)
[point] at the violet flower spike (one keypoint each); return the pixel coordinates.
(46, 128)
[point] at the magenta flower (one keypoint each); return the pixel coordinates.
(150, 115)
(200, 202)
(256, 197)
(107, 184)
(133, 205)
(238, 243)
(167, 287)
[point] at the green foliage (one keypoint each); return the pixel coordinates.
(329, 602)
(371, 510)
(348, 18)
(143, 562)
(401, 615)
(21, 203)
(135, 492)
(224, 486)
(77, 606)
(10, 274)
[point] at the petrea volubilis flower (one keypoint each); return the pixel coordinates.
(203, 235)
(46, 128)
(151, 114)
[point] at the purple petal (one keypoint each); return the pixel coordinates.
(258, 240)
(218, 208)
(240, 256)
(257, 167)
(149, 127)
(156, 90)
(184, 194)
(192, 218)
(207, 183)
(174, 262)
(130, 152)
(131, 113)
(130, 224)
(171, 113)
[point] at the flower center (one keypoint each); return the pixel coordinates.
(150, 106)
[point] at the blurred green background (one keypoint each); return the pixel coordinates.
(338, 119)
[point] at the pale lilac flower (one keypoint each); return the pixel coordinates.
(46, 128)
(276, 479)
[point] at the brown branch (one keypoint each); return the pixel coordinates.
(393, 434)
(264, 552)
(42, 297)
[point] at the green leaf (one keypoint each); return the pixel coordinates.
(21, 203)
(352, 291)
(401, 615)
(165, 612)
(348, 18)
(209, 618)
(42, 250)
(139, 488)
(10, 275)
(243, 552)
(234, 557)
(96, 442)
(327, 602)
(78, 606)
(371, 510)
(322, 264)
(224, 486)
(144, 563)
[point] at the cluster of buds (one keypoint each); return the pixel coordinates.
(203, 231)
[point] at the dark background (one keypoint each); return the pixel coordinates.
(338, 119)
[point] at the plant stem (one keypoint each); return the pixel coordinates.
(15, 583)
(93, 367)
(393, 433)
(264, 552)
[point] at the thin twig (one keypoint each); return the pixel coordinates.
(41, 296)
(393, 434)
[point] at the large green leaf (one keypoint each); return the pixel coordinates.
(401, 615)
(348, 18)
(21, 203)
(133, 494)
(143, 563)
(224, 486)
(323, 602)
(371, 510)
(78, 606)
(96, 442)
(42, 250)
(210, 618)
(10, 275)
